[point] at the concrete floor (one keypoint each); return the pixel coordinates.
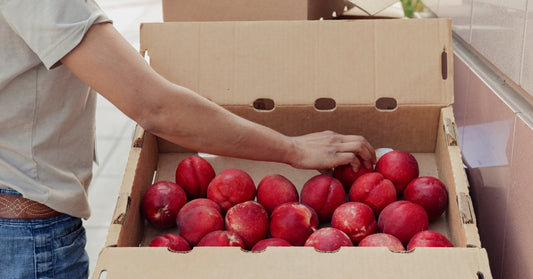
(114, 130)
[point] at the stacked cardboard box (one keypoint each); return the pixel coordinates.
(228, 10)
(389, 80)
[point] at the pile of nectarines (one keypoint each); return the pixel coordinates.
(389, 205)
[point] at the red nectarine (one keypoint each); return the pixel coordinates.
(429, 239)
(382, 240)
(403, 219)
(173, 241)
(430, 193)
(194, 174)
(276, 189)
(294, 222)
(161, 202)
(356, 219)
(374, 190)
(230, 187)
(249, 220)
(328, 239)
(324, 194)
(398, 166)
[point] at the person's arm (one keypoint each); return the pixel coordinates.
(111, 66)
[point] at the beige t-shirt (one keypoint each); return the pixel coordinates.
(47, 115)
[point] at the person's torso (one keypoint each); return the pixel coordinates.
(46, 125)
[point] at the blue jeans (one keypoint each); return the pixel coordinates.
(43, 248)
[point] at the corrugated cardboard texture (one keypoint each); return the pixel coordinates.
(297, 62)
(228, 10)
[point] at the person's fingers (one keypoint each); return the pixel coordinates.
(360, 143)
(361, 149)
(356, 164)
(339, 149)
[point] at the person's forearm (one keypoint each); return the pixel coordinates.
(106, 62)
(190, 120)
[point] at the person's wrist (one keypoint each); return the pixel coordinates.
(290, 155)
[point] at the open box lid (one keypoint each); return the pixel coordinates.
(298, 62)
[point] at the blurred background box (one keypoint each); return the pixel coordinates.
(232, 10)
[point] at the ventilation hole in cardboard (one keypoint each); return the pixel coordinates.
(480, 275)
(386, 103)
(103, 274)
(325, 104)
(444, 64)
(264, 104)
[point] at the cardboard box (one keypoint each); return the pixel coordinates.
(389, 80)
(228, 10)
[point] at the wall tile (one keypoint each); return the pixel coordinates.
(487, 150)
(497, 33)
(527, 71)
(519, 221)
(460, 11)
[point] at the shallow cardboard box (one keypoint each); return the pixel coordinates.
(389, 80)
(227, 10)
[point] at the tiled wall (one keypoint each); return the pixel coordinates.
(497, 145)
(527, 72)
(501, 30)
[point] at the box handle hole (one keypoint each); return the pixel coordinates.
(264, 104)
(325, 104)
(386, 103)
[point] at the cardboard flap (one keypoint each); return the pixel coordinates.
(298, 62)
(293, 262)
(372, 7)
(393, 11)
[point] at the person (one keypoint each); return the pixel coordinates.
(56, 54)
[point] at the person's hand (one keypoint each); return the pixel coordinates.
(326, 150)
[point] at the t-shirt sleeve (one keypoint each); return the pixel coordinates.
(52, 28)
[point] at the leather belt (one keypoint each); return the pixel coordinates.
(18, 207)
